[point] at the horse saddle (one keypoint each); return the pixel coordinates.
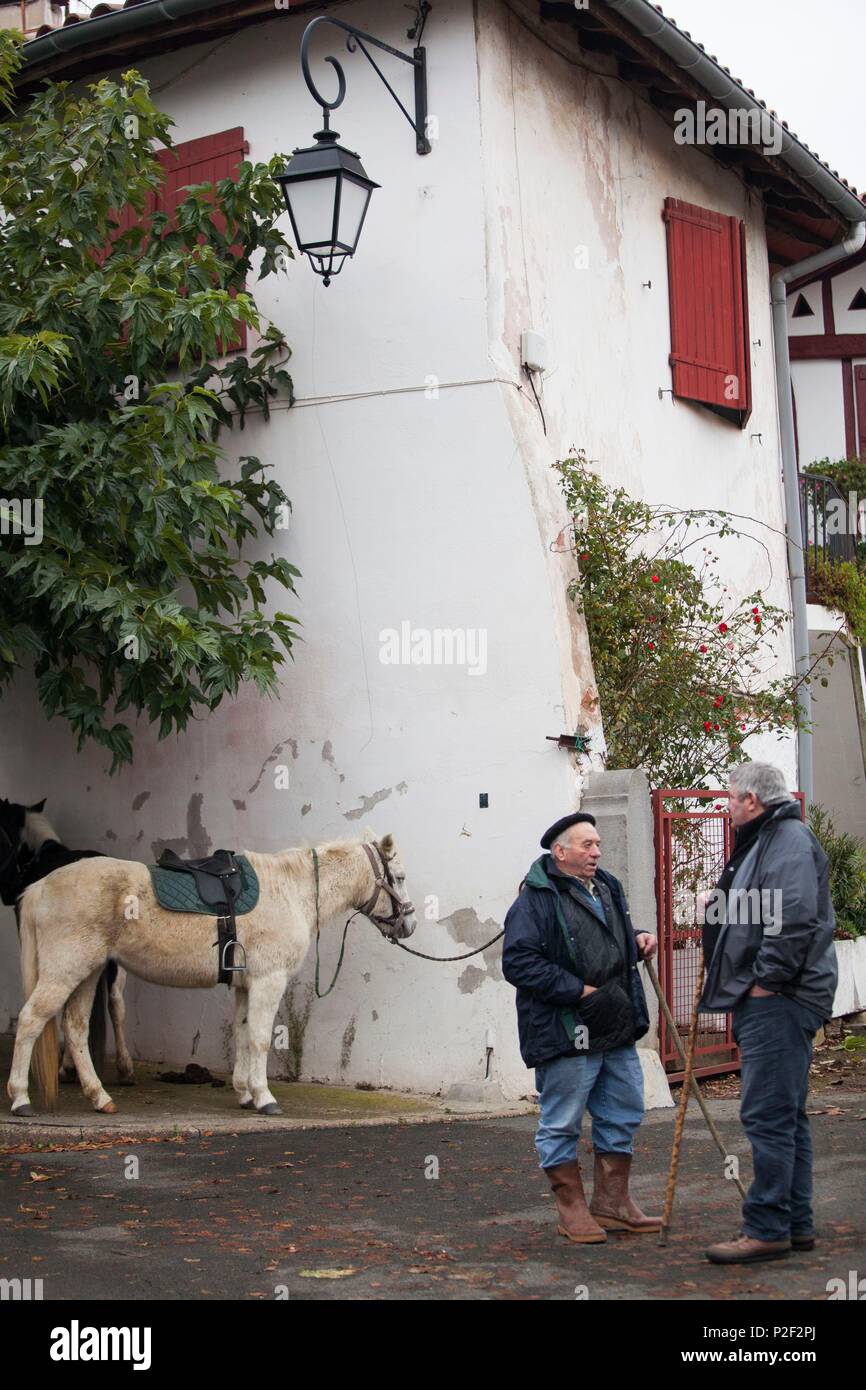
(224, 886)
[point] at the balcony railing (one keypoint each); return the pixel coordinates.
(826, 528)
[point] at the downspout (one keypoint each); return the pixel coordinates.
(796, 557)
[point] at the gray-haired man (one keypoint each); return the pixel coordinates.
(773, 965)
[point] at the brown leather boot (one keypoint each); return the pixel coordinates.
(611, 1204)
(575, 1222)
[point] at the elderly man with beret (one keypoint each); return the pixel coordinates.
(571, 951)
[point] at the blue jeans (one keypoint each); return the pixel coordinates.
(775, 1036)
(608, 1084)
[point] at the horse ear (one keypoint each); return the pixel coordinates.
(38, 806)
(386, 846)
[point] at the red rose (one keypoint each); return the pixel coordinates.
(707, 725)
(702, 648)
(652, 646)
(717, 726)
(585, 555)
(720, 700)
(756, 610)
(655, 579)
(723, 627)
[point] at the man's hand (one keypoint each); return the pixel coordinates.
(758, 993)
(588, 989)
(646, 945)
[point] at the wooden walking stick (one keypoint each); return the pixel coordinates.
(681, 1112)
(695, 1089)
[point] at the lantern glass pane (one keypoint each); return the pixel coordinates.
(353, 203)
(312, 204)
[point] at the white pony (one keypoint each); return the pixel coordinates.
(96, 910)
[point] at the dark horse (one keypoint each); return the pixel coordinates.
(29, 851)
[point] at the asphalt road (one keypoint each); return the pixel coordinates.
(450, 1210)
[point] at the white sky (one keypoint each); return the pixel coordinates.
(805, 58)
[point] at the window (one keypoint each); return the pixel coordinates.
(859, 300)
(802, 308)
(709, 309)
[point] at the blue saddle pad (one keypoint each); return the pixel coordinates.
(177, 892)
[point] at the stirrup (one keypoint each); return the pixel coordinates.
(232, 946)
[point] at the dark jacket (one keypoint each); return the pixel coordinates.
(793, 952)
(544, 951)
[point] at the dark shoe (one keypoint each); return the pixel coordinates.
(575, 1222)
(745, 1250)
(611, 1204)
(802, 1242)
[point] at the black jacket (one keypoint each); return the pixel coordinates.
(544, 951)
(790, 952)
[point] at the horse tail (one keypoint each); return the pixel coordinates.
(96, 1036)
(46, 1052)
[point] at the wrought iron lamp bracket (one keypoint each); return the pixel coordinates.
(357, 38)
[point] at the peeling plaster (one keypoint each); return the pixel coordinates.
(196, 843)
(291, 743)
(375, 1016)
(466, 928)
(470, 979)
(306, 808)
(239, 805)
(110, 835)
(402, 788)
(140, 800)
(369, 803)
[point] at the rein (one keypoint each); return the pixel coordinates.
(383, 883)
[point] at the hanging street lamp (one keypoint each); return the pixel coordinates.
(326, 189)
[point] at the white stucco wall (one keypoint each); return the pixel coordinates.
(406, 507)
(440, 511)
(576, 171)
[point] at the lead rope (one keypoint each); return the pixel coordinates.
(465, 956)
(319, 993)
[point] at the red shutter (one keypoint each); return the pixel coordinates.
(710, 358)
(207, 160)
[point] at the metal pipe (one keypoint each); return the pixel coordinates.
(790, 475)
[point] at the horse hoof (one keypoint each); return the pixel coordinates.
(108, 1109)
(24, 1110)
(248, 1105)
(125, 1081)
(68, 1076)
(272, 1109)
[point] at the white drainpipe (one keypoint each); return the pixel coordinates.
(796, 557)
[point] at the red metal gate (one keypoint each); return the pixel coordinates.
(693, 839)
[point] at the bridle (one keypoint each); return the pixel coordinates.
(384, 883)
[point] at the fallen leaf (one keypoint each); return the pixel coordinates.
(40, 1177)
(326, 1273)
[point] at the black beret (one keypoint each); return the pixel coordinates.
(559, 826)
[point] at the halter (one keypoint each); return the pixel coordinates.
(384, 881)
